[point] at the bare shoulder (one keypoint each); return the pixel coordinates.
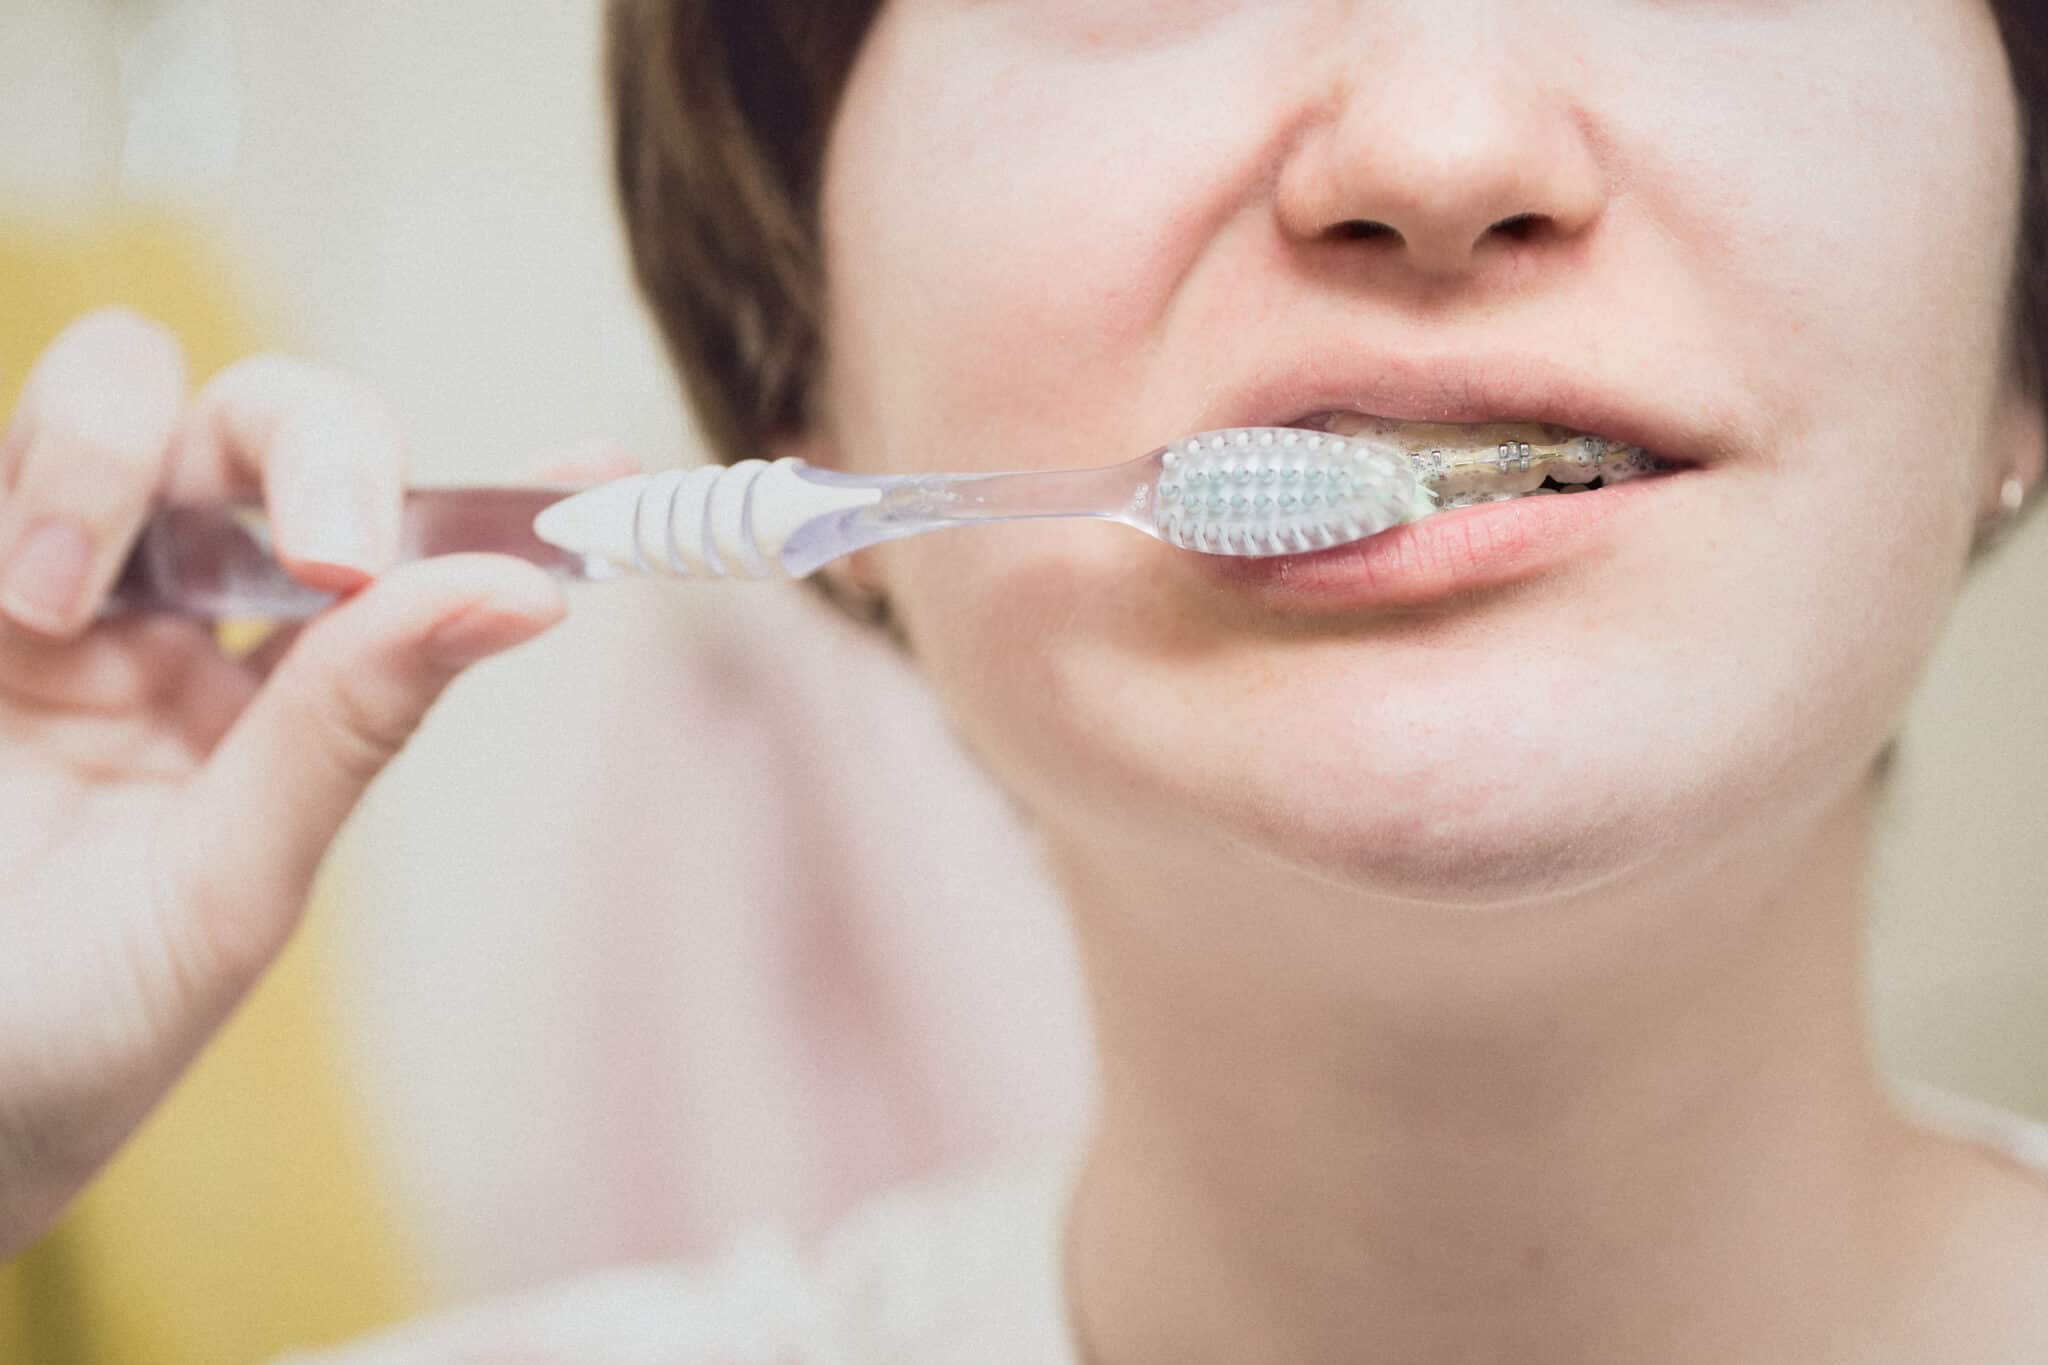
(1975, 1287)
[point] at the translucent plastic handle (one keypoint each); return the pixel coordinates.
(757, 520)
(217, 560)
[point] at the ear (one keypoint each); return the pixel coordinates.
(857, 576)
(2018, 446)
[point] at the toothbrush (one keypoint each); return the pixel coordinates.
(216, 560)
(1249, 492)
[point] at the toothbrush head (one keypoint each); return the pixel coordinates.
(1257, 492)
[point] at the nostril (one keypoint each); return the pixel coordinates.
(1362, 230)
(1522, 227)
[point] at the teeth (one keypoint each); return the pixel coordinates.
(1624, 465)
(1447, 434)
(1489, 462)
(1585, 460)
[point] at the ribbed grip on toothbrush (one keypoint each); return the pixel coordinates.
(714, 521)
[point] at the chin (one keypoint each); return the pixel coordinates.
(1540, 823)
(1465, 868)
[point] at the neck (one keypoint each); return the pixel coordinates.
(1647, 1128)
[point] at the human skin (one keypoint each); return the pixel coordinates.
(1477, 977)
(163, 805)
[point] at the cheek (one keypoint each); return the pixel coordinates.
(1845, 224)
(1015, 296)
(1839, 242)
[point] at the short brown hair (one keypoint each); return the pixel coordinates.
(721, 110)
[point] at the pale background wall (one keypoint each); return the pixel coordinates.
(1961, 928)
(418, 192)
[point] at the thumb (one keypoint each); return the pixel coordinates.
(345, 699)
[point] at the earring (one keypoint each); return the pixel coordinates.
(2012, 496)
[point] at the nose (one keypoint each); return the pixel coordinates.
(1437, 150)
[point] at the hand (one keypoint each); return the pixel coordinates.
(163, 807)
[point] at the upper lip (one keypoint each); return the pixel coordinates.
(1472, 389)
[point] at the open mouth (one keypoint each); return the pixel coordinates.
(1466, 465)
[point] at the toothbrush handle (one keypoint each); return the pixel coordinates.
(216, 560)
(914, 504)
(756, 520)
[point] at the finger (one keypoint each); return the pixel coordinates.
(265, 653)
(339, 706)
(593, 461)
(114, 670)
(84, 458)
(13, 444)
(323, 448)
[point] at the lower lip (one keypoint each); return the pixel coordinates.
(1446, 555)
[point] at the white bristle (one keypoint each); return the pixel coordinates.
(1267, 492)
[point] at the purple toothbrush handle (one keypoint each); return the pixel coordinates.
(215, 560)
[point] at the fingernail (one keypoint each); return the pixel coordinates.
(330, 536)
(327, 521)
(46, 576)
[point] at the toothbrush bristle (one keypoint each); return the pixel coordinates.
(1235, 492)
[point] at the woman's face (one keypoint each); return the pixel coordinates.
(1770, 240)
